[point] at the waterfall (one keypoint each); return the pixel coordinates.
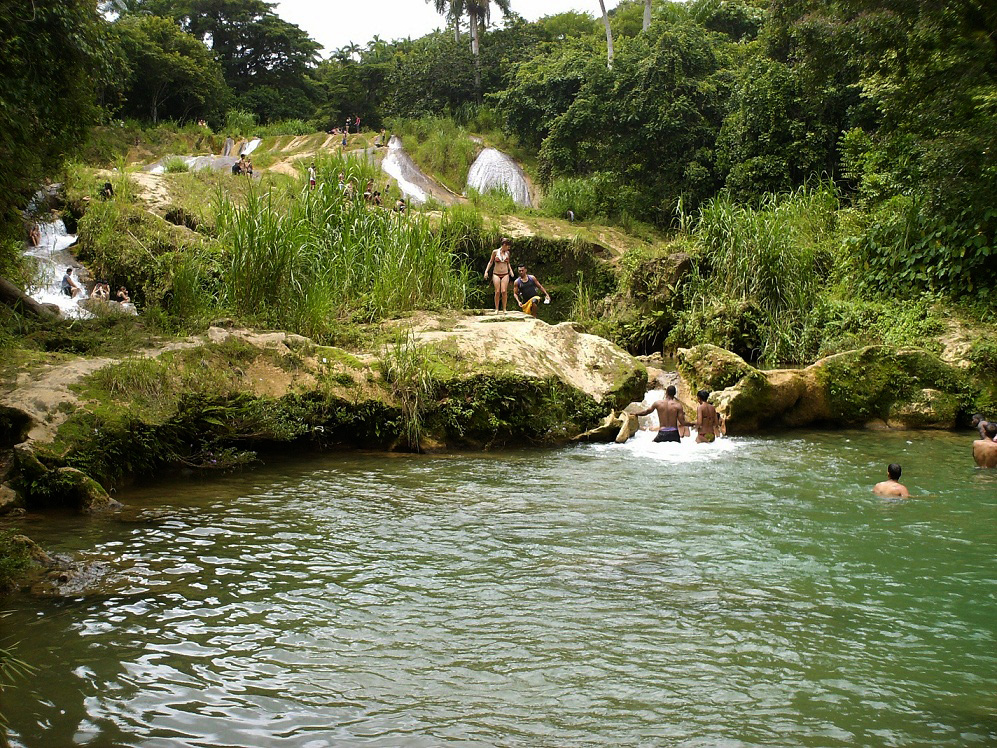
(53, 257)
(494, 170)
(229, 145)
(398, 165)
(249, 147)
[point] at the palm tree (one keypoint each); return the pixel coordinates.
(609, 36)
(647, 14)
(453, 10)
(479, 13)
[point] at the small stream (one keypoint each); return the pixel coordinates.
(749, 592)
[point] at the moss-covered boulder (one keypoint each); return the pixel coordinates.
(927, 409)
(904, 389)
(711, 367)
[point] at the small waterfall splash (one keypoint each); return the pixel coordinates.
(53, 257)
(494, 170)
(398, 165)
(249, 147)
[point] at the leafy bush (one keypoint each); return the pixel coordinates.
(286, 127)
(239, 123)
(176, 166)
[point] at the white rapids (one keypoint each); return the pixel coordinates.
(53, 257)
(642, 445)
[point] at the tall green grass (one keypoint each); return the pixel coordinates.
(325, 256)
(775, 259)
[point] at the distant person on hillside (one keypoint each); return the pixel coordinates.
(892, 487)
(237, 167)
(34, 235)
(101, 290)
(346, 134)
(400, 206)
(107, 192)
(671, 417)
(525, 289)
(122, 296)
(368, 192)
(356, 122)
(985, 448)
(247, 167)
(376, 198)
(500, 267)
(311, 177)
(69, 286)
(707, 419)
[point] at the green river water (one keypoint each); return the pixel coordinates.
(752, 592)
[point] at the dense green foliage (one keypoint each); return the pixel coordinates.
(51, 54)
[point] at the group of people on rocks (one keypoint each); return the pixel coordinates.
(243, 166)
(71, 287)
(349, 188)
(526, 287)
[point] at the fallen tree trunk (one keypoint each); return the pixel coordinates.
(12, 296)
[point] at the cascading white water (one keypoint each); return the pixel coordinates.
(53, 257)
(398, 165)
(643, 445)
(249, 147)
(494, 170)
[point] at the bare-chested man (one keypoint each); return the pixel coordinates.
(892, 487)
(707, 419)
(670, 417)
(985, 449)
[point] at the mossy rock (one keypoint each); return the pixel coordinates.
(711, 367)
(927, 409)
(864, 385)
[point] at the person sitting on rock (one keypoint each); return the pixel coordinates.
(525, 287)
(101, 290)
(122, 296)
(707, 419)
(107, 192)
(671, 417)
(985, 449)
(892, 487)
(35, 235)
(69, 287)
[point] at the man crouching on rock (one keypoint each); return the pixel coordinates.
(985, 449)
(671, 417)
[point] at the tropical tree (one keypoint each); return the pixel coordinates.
(478, 13)
(647, 14)
(609, 35)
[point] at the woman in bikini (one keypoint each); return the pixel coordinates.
(501, 259)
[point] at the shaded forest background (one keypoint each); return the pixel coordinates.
(891, 105)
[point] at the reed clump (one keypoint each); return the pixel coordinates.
(301, 264)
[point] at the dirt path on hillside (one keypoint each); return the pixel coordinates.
(151, 190)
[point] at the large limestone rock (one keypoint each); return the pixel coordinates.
(616, 427)
(876, 385)
(520, 344)
(83, 492)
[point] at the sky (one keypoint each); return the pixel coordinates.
(336, 23)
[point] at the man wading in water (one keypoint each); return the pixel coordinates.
(670, 417)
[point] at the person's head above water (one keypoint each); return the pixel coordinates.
(893, 471)
(977, 417)
(703, 395)
(990, 429)
(670, 391)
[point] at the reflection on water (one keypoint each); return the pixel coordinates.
(750, 592)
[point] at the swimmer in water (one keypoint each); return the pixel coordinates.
(985, 448)
(671, 417)
(892, 487)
